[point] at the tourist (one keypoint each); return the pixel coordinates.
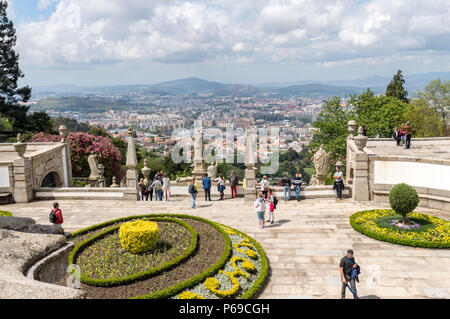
(348, 274)
(338, 182)
(56, 217)
(221, 186)
(193, 190)
(157, 185)
(297, 182)
(260, 207)
(402, 134)
(397, 136)
(234, 181)
(286, 183)
(364, 130)
(166, 187)
(149, 191)
(206, 181)
(407, 128)
(271, 201)
(142, 188)
(265, 186)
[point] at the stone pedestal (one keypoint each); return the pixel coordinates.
(360, 184)
(23, 188)
(250, 184)
(94, 182)
(321, 180)
(132, 173)
(199, 169)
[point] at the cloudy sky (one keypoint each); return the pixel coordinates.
(105, 42)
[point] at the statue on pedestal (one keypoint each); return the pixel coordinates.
(322, 164)
(212, 170)
(199, 169)
(94, 178)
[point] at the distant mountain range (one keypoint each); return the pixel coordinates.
(192, 86)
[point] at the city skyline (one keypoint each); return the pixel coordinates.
(82, 42)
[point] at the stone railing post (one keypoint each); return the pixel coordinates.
(360, 188)
(132, 173)
(23, 184)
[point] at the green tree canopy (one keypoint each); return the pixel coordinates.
(395, 88)
(10, 92)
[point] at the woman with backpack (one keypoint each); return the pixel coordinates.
(56, 217)
(157, 185)
(193, 190)
(260, 208)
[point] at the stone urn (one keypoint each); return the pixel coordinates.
(20, 147)
(145, 170)
(360, 140)
(63, 133)
(351, 127)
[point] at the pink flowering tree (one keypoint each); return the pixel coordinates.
(82, 145)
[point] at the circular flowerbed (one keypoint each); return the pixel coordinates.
(422, 231)
(5, 213)
(194, 258)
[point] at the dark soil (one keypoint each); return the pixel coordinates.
(211, 246)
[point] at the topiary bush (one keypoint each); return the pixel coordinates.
(5, 213)
(403, 200)
(139, 236)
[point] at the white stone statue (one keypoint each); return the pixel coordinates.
(212, 170)
(321, 162)
(198, 147)
(93, 165)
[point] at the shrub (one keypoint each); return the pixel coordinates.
(5, 213)
(403, 200)
(139, 236)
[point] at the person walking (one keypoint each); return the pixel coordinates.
(234, 180)
(206, 181)
(348, 274)
(193, 190)
(265, 186)
(142, 188)
(338, 182)
(166, 187)
(56, 217)
(297, 182)
(149, 191)
(408, 133)
(221, 187)
(271, 202)
(397, 136)
(157, 185)
(260, 208)
(286, 183)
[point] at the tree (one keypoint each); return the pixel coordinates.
(10, 92)
(71, 124)
(436, 95)
(332, 128)
(425, 120)
(40, 122)
(395, 88)
(380, 114)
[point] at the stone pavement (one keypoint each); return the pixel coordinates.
(304, 246)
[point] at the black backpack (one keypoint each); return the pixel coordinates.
(275, 202)
(52, 217)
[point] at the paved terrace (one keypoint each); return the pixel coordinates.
(304, 245)
(433, 148)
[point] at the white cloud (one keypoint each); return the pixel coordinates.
(277, 31)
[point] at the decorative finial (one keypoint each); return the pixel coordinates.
(130, 132)
(19, 138)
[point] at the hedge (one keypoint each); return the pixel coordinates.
(110, 282)
(5, 213)
(390, 238)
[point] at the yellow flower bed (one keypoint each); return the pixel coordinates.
(189, 295)
(437, 236)
(139, 236)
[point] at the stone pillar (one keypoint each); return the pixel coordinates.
(23, 187)
(66, 156)
(351, 129)
(199, 168)
(101, 171)
(250, 163)
(132, 173)
(360, 185)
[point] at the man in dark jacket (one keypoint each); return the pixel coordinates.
(233, 184)
(207, 187)
(286, 183)
(346, 266)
